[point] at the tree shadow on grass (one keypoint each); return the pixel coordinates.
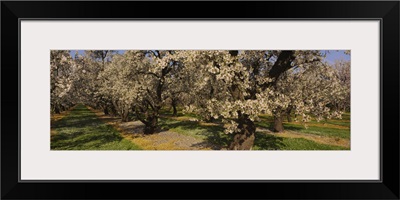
(82, 130)
(84, 138)
(212, 135)
(269, 125)
(79, 117)
(293, 127)
(267, 142)
(215, 138)
(81, 141)
(74, 122)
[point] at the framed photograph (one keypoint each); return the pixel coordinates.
(114, 98)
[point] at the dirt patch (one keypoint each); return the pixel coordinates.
(316, 138)
(167, 140)
(164, 140)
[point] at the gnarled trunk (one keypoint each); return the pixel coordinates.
(175, 111)
(62, 108)
(113, 111)
(288, 114)
(56, 110)
(105, 110)
(244, 138)
(278, 123)
(124, 116)
(151, 125)
(289, 118)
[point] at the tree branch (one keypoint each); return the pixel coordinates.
(282, 64)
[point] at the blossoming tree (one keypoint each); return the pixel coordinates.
(231, 85)
(238, 86)
(61, 69)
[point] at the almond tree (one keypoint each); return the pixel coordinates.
(308, 92)
(237, 86)
(343, 74)
(87, 82)
(120, 84)
(156, 78)
(223, 89)
(101, 58)
(139, 81)
(61, 68)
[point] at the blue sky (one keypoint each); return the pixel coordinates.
(331, 55)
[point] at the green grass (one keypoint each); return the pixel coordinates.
(344, 123)
(343, 132)
(270, 142)
(338, 122)
(316, 130)
(212, 134)
(82, 130)
(215, 135)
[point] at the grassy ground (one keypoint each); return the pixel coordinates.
(210, 133)
(82, 130)
(214, 134)
(270, 142)
(339, 128)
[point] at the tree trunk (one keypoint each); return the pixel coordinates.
(113, 111)
(62, 108)
(175, 112)
(278, 123)
(244, 138)
(289, 118)
(56, 110)
(124, 116)
(105, 110)
(288, 114)
(151, 125)
(209, 119)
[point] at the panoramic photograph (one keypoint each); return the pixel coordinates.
(200, 100)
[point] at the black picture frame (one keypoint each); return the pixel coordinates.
(386, 11)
